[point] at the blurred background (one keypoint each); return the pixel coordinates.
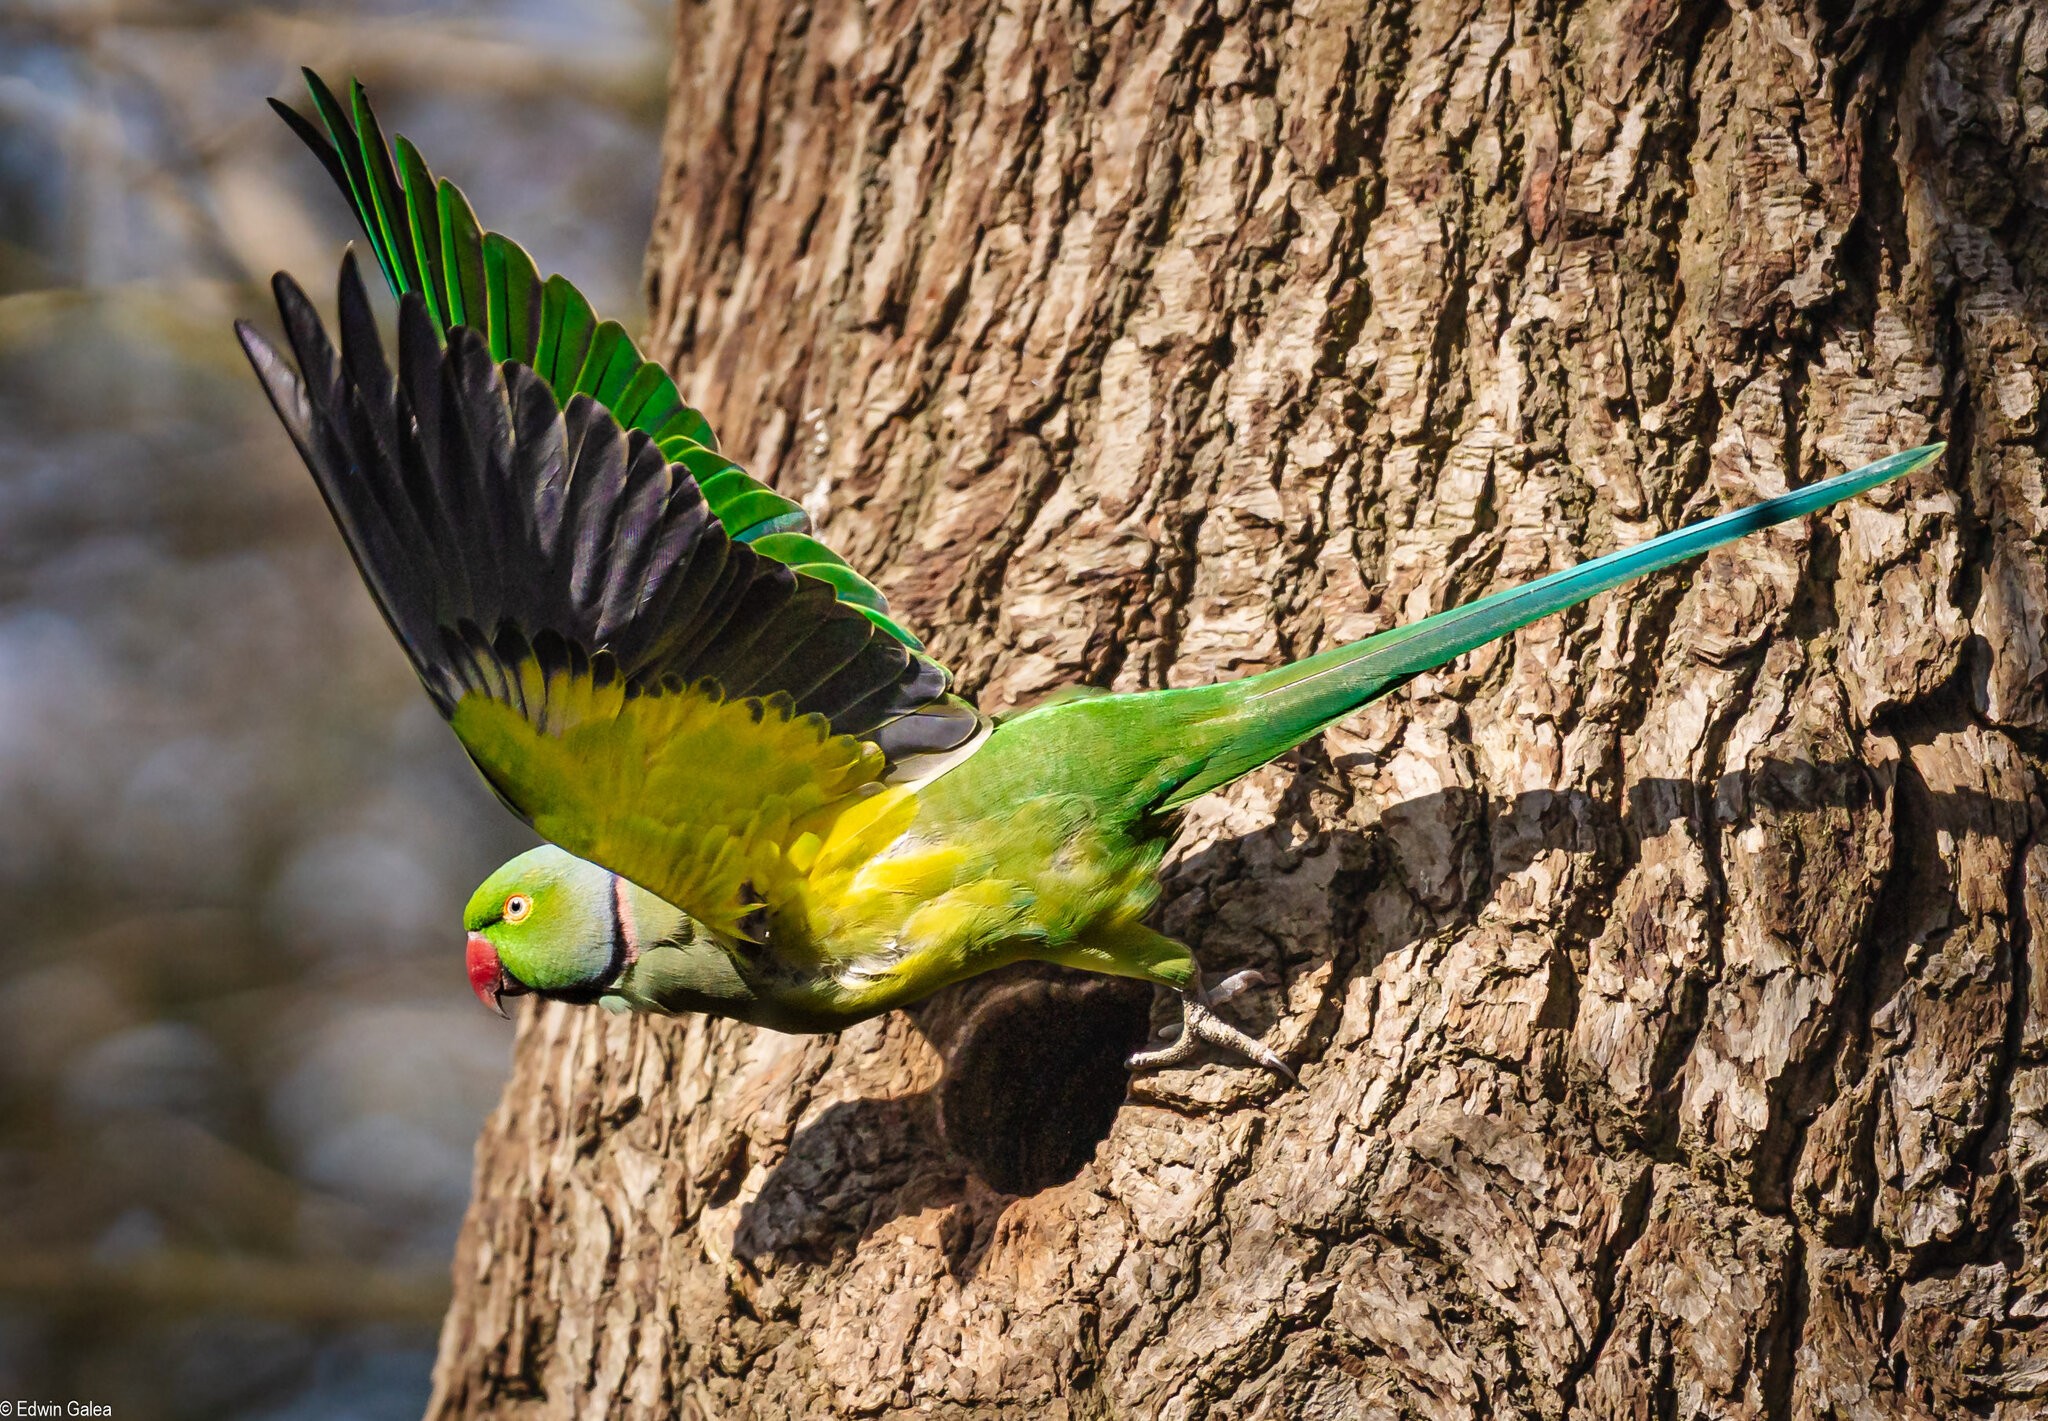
(240, 1067)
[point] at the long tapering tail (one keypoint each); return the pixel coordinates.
(1270, 713)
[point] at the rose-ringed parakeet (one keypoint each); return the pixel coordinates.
(768, 804)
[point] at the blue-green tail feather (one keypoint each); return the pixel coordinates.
(1265, 715)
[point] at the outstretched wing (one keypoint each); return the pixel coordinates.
(427, 240)
(646, 689)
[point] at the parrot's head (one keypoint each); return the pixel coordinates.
(546, 922)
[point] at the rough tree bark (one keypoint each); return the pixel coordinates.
(1668, 983)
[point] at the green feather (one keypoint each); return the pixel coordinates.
(798, 550)
(850, 585)
(349, 153)
(610, 365)
(648, 399)
(512, 300)
(426, 238)
(1291, 704)
(424, 222)
(687, 424)
(391, 234)
(757, 513)
(894, 628)
(566, 327)
(463, 257)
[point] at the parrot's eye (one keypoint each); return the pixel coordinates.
(517, 907)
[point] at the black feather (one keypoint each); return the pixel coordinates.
(597, 479)
(751, 611)
(497, 529)
(540, 453)
(634, 538)
(314, 139)
(863, 676)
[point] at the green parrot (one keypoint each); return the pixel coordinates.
(761, 797)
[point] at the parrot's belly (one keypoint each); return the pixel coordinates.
(943, 901)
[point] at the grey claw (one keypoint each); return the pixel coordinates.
(1236, 982)
(1199, 1025)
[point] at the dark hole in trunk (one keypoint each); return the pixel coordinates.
(1036, 1075)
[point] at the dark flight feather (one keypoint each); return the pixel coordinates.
(426, 239)
(494, 524)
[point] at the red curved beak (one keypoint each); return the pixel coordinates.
(487, 975)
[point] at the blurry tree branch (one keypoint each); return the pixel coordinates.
(188, 1281)
(152, 57)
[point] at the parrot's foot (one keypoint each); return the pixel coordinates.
(1199, 1026)
(1222, 992)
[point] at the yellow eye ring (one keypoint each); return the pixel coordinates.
(517, 907)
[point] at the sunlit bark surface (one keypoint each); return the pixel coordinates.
(1667, 983)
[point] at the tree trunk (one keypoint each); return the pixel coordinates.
(1667, 981)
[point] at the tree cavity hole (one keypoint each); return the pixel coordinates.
(1036, 1076)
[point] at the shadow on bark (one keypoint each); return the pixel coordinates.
(1034, 1057)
